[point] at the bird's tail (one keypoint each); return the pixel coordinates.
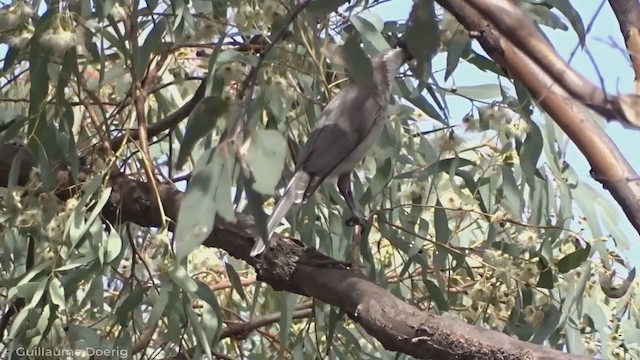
(294, 193)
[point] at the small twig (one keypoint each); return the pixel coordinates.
(242, 330)
(139, 95)
(14, 78)
(227, 284)
(167, 123)
(95, 121)
(249, 83)
(6, 125)
(186, 177)
(356, 264)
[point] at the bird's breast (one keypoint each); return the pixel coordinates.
(361, 150)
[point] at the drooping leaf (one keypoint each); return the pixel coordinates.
(422, 34)
(212, 314)
(531, 151)
(208, 195)
(132, 301)
(201, 122)
(265, 157)
(234, 278)
(456, 46)
(574, 260)
(479, 92)
(567, 9)
(56, 293)
(549, 324)
(370, 34)
(358, 64)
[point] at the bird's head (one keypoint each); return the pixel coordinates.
(402, 44)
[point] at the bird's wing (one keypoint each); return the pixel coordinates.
(345, 123)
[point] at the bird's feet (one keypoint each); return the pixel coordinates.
(354, 220)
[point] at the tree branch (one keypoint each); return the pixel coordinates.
(167, 123)
(628, 14)
(242, 330)
(396, 324)
(513, 24)
(608, 164)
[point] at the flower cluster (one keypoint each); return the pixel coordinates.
(16, 15)
(263, 14)
(62, 34)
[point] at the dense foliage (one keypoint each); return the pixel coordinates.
(486, 221)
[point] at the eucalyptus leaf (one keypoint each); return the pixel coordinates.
(265, 157)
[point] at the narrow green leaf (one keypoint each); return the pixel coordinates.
(369, 32)
(77, 262)
(180, 277)
(436, 293)
(201, 336)
(14, 171)
(531, 151)
(86, 336)
(111, 248)
(35, 299)
(456, 46)
(25, 290)
(10, 58)
(14, 129)
(422, 34)
(384, 174)
(130, 303)
(478, 92)
(160, 304)
(544, 16)
(208, 195)
(212, 315)
(287, 307)
(511, 200)
(582, 197)
(152, 43)
(574, 260)
(419, 101)
(265, 157)
(358, 64)
(77, 233)
(323, 8)
(443, 234)
(548, 326)
(546, 274)
(234, 278)
(567, 9)
(56, 293)
(201, 122)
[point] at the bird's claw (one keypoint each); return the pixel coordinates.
(355, 220)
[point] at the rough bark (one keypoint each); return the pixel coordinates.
(397, 325)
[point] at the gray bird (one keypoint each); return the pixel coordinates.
(348, 127)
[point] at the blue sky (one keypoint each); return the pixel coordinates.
(612, 67)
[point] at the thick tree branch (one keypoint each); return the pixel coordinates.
(628, 14)
(609, 166)
(396, 324)
(513, 24)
